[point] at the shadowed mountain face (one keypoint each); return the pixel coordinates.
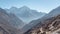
(10, 19)
(26, 14)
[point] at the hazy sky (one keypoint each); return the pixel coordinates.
(39, 5)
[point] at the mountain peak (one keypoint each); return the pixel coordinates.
(24, 7)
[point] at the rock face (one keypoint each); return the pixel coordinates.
(51, 26)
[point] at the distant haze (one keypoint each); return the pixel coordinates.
(39, 5)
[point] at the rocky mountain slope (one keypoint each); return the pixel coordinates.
(36, 23)
(50, 26)
(10, 19)
(48, 16)
(9, 23)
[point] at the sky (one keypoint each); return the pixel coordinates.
(39, 5)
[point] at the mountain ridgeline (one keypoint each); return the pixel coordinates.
(11, 21)
(27, 21)
(26, 14)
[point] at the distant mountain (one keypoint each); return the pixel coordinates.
(10, 19)
(26, 14)
(53, 13)
(46, 18)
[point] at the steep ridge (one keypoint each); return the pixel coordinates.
(11, 18)
(4, 25)
(51, 26)
(8, 24)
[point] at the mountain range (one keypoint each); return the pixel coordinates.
(10, 18)
(29, 21)
(25, 14)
